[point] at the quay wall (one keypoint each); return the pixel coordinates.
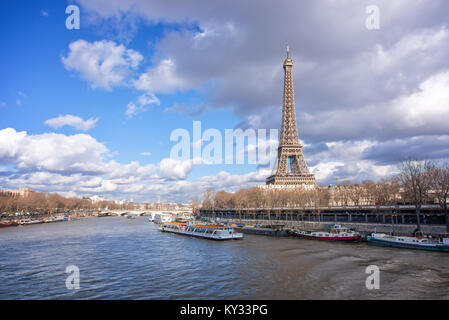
(264, 231)
(363, 228)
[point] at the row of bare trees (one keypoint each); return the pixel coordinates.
(418, 183)
(44, 202)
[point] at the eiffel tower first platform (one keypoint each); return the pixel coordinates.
(291, 169)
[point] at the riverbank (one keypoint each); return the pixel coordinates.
(282, 227)
(24, 220)
(263, 231)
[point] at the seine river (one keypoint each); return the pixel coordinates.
(120, 258)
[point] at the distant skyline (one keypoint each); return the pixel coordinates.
(90, 111)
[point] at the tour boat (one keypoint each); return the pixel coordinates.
(336, 233)
(441, 243)
(206, 231)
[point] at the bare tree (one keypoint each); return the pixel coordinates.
(240, 201)
(222, 199)
(370, 191)
(356, 193)
(255, 197)
(440, 184)
(386, 191)
(316, 198)
(209, 200)
(415, 180)
(195, 205)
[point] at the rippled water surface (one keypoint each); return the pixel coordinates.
(120, 258)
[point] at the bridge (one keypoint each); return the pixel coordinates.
(139, 212)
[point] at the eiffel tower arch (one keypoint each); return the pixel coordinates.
(291, 168)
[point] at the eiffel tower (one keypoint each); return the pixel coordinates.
(291, 168)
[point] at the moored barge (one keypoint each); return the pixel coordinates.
(336, 233)
(440, 243)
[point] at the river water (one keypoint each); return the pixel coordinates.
(120, 258)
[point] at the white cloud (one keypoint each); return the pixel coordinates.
(324, 171)
(51, 151)
(131, 110)
(176, 169)
(104, 64)
(60, 163)
(346, 160)
(407, 48)
(145, 154)
(421, 112)
(162, 78)
(73, 121)
(77, 163)
(117, 170)
(429, 105)
(140, 105)
(182, 190)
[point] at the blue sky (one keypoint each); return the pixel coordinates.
(36, 87)
(33, 73)
(364, 99)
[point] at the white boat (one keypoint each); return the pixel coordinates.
(214, 232)
(28, 222)
(161, 218)
(53, 219)
(336, 233)
(440, 243)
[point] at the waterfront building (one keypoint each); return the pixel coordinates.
(290, 168)
(21, 192)
(95, 198)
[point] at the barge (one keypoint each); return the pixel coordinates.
(440, 243)
(336, 233)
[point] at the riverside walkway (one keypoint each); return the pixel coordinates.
(398, 215)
